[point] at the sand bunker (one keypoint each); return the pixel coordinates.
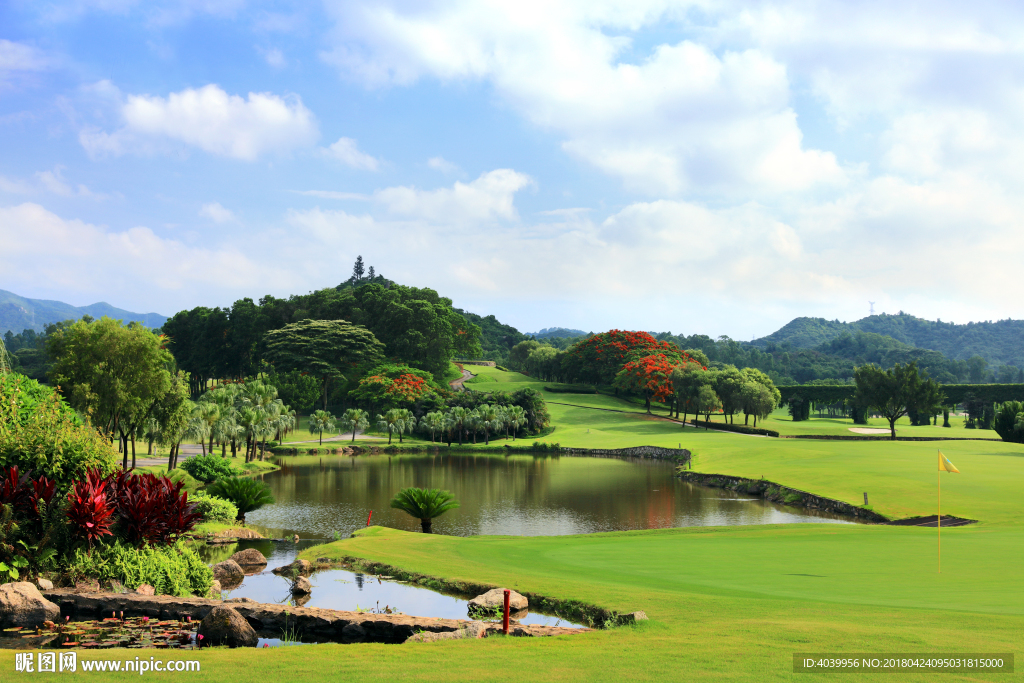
(869, 430)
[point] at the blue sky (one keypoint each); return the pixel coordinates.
(689, 166)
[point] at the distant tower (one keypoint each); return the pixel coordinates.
(872, 304)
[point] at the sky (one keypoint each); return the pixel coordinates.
(699, 167)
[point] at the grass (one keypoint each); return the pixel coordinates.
(726, 603)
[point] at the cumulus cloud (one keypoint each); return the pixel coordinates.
(51, 256)
(441, 164)
(209, 119)
(217, 213)
(679, 118)
(347, 152)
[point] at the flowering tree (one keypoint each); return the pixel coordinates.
(651, 375)
(392, 386)
(599, 359)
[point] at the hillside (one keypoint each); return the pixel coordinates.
(999, 343)
(556, 333)
(18, 313)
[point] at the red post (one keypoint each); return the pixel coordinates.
(368, 518)
(504, 623)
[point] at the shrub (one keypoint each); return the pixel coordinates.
(41, 434)
(214, 509)
(89, 513)
(150, 509)
(207, 468)
(247, 494)
(172, 570)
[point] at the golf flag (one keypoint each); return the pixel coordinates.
(945, 465)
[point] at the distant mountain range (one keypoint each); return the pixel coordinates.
(1000, 342)
(556, 332)
(18, 313)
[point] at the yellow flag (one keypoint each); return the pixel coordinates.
(945, 465)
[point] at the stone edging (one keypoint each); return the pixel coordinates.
(881, 437)
(311, 623)
(678, 455)
(572, 610)
(778, 493)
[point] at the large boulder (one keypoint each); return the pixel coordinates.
(296, 568)
(250, 559)
(228, 573)
(224, 626)
(493, 602)
(21, 604)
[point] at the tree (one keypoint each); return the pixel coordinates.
(326, 349)
(113, 374)
(687, 381)
(355, 419)
(247, 494)
(358, 270)
(598, 359)
(391, 385)
(516, 419)
(706, 402)
(490, 420)
(424, 504)
(895, 392)
(321, 421)
(433, 422)
(650, 376)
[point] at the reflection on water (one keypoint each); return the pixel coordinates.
(350, 591)
(506, 495)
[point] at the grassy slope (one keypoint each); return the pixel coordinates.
(727, 603)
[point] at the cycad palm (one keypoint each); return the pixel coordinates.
(424, 504)
(319, 422)
(355, 419)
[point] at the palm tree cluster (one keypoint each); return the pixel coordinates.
(231, 414)
(460, 423)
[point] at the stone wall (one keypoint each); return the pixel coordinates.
(678, 455)
(781, 494)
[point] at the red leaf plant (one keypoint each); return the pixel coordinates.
(88, 511)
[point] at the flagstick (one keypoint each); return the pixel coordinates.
(938, 520)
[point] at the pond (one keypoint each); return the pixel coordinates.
(319, 496)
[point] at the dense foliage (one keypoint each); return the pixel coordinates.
(244, 493)
(172, 570)
(214, 509)
(207, 468)
(896, 392)
(40, 433)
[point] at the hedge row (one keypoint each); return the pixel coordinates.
(955, 393)
(739, 429)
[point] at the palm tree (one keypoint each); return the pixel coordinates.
(208, 412)
(151, 431)
(433, 422)
(516, 418)
(247, 494)
(424, 504)
(490, 419)
(320, 421)
(223, 430)
(458, 415)
(391, 422)
(355, 419)
(406, 422)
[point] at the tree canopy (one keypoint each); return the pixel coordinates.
(897, 391)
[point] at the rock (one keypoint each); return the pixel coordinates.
(250, 558)
(472, 630)
(21, 604)
(296, 568)
(632, 617)
(215, 588)
(301, 600)
(228, 573)
(145, 589)
(301, 586)
(224, 626)
(88, 586)
(353, 633)
(44, 584)
(240, 600)
(493, 601)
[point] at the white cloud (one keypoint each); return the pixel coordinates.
(488, 198)
(441, 164)
(217, 213)
(680, 118)
(19, 58)
(47, 255)
(347, 152)
(210, 119)
(52, 182)
(274, 57)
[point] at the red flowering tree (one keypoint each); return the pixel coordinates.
(599, 359)
(392, 386)
(651, 375)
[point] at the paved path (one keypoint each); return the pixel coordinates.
(457, 384)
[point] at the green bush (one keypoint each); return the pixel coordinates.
(170, 570)
(208, 467)
(247, 494)
(214, 509)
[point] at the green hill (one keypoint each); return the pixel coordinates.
(18, 313)
(1000, 342)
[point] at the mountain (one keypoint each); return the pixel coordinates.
(556, 332)
(1000, 342)
(18, 313)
